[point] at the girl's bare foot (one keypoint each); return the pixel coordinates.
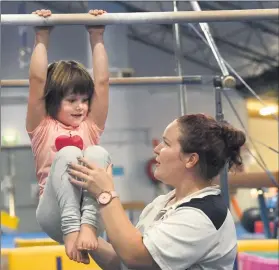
(87, 239)
(71, 249)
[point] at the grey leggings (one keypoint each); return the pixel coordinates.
(63, 207)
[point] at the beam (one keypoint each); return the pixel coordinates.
(141, 18)
(168, 80)
(251, 180)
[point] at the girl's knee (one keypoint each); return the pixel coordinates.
(69, 153)
(98, 155)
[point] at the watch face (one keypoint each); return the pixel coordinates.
(104, 198)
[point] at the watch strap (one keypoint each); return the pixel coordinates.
(114, 194)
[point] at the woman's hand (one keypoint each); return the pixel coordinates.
(92, 178)
(96, 30)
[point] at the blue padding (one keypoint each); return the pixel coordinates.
(118, 171)
(7, 240)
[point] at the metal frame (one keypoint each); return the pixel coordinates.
(159, 36)
(254, 28)
(219, 89)
(182, 94)
(141, 18)
(217, 82)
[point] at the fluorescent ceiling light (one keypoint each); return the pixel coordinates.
(268, 110)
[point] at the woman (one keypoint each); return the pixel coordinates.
(190, 227)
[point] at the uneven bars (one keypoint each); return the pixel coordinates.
(168, 80)
(141, 17)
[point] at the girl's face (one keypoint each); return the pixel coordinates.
(73, 110)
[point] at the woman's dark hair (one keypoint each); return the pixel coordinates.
(65, 78)
(216, 143)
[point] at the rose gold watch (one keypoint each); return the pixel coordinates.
(105, 197)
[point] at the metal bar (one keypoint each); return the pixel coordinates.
(210, 40)
(239, 50)
(11, 190)
(276, 226)
(267, 146)
(251, 180)
(141, 18)
(182, 94)
(264, 214)
(220, 118)
(169, 80)
(248, 53)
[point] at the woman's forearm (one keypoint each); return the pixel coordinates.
(105, 256)
(125, 238)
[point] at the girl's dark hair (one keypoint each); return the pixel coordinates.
(65, 78)
(216, 143)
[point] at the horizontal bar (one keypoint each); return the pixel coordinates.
(169, 80)
(251, 180)
(141, 17)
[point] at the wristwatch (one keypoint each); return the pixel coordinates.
(105, 197)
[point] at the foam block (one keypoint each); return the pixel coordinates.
(43, 258)
(252, 262)
(19, 242)
(262, 245)
(8, 223)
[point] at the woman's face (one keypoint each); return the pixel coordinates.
(170, 167)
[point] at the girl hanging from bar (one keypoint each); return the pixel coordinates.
(65, 118)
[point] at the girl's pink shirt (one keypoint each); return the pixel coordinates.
(43, 143)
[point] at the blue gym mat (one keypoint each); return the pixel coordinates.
(7, 240)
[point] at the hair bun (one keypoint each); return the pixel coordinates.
(233, 139)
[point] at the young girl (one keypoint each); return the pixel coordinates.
(65, 117)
